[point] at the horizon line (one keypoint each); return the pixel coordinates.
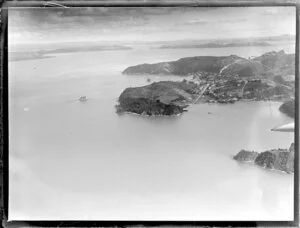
(150, 41)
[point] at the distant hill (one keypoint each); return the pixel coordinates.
(267, 65)
(250, 41)
(216, 45)
(26, 55)
(184, 66)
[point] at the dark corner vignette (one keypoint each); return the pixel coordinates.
(297, 100)
(4, 161)
(3, 117)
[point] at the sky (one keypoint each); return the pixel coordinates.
(48, 25)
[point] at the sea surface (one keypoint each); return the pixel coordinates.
(73, 160)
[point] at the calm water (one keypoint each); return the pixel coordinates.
(72, 160)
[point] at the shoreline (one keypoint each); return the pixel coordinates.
(252, 164)
(246, 101)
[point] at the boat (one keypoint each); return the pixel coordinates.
(83, 98)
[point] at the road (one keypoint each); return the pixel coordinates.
(201, 93)
(246, 82)
(225, 67)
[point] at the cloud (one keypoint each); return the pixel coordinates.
(86, 15)
(45, 18)
(152, 22)
(197, 22)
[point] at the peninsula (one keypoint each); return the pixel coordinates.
(267, 65)
(158, 98)
(212, 79)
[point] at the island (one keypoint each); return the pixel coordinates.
(275, 159)
(212, 79)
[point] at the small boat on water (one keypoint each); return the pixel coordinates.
(83, 98)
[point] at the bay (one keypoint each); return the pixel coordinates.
(81, 160)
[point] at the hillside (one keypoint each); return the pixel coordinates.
(276, 159)
(159, 98)
(224, 80)
(184, 66)
(268, 65)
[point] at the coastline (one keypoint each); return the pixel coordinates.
(245, 101)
